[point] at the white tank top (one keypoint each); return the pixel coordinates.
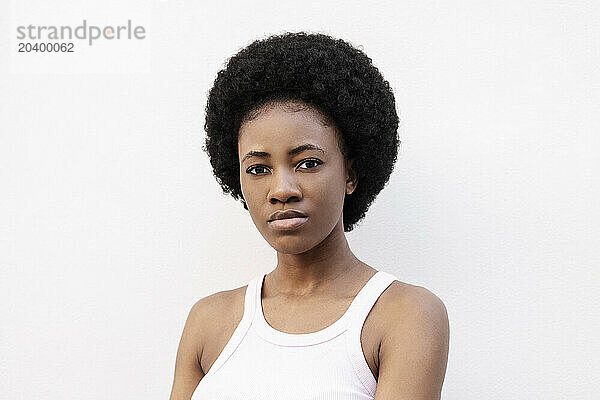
(260, 362)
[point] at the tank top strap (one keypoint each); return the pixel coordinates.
(241, 329)
(250, 298)
(366, 298)
(362, 305)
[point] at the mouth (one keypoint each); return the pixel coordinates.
(287, 224)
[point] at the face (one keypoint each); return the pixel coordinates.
(289, 159)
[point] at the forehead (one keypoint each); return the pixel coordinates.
(284, 126)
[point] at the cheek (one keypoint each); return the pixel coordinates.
(329, 196)
(247, 187)
(251, 191)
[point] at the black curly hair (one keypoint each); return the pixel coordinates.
(328, 74)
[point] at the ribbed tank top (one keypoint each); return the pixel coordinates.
(260, 362)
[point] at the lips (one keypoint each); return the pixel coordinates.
(287, 220)
(286, 224)
(279, 214)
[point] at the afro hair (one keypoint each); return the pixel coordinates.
(328, 74)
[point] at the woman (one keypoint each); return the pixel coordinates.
(302, 129)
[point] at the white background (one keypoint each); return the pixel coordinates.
(112, 225)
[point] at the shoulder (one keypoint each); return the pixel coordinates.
(404, 307)
(414, 346)
(410, 308)
(406, 301)
(218, 300)
(211, 313)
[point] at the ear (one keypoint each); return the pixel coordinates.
(351, 178)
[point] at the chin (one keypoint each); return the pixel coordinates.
(288, 244)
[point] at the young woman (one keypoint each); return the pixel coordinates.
(302, 129)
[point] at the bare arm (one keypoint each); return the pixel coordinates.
(414, 351)
(188, 371)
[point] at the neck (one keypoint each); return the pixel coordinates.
(313, 271)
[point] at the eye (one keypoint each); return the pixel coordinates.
(258, 168)
(311, 160)
(252, 168)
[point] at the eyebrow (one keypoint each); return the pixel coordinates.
(292, 152)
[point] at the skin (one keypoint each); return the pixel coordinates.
(409, 329)
(311, 258)
(405, 337)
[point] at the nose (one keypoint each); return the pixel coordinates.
(284, 188)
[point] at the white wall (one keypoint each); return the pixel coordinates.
(112, 225)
